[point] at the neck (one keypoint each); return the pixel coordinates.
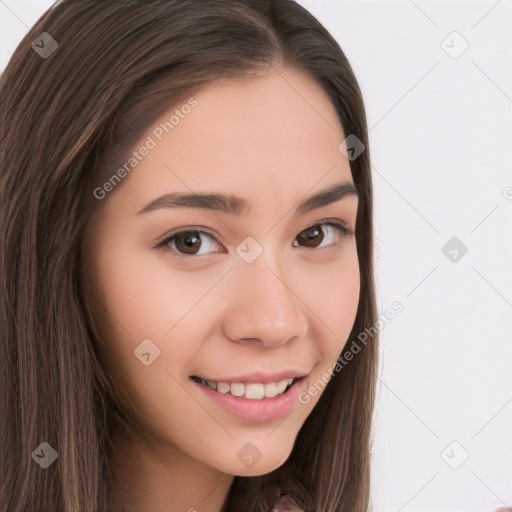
(159, 478)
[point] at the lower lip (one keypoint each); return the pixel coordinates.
(266, 409)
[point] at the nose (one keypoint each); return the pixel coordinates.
(263, 306)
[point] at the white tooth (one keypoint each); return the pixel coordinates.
(211, 384)
(222, 387)
(281, 386)
(237, 389)
(254, 391)
(270, 390)
(289, 381)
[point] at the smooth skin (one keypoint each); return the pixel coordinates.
(274, 141)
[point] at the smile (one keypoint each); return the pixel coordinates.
(253, 390)
(245, 397)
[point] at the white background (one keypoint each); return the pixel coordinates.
(440, 142)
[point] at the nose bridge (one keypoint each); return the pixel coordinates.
(264, 305)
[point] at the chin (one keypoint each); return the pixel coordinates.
(263, 466)
(258, 472)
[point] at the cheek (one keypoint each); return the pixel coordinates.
(343, 302)
(336, 300)
(142, 297)
(333, 296)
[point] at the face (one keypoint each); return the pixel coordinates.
(246, 298)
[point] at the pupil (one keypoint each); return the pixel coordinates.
(190, 239)
(307, 238)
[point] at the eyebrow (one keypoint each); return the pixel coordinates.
(233, 205)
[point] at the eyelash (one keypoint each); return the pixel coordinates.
(340, 226)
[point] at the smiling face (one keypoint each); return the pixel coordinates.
(247, 295)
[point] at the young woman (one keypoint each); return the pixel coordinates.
(186, 262)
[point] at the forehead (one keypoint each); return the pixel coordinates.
(270, 133)
(283, 116)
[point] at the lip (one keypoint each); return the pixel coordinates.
(266, 409)
(260, 377)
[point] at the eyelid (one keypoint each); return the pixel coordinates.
(165, 239)
(331, 221)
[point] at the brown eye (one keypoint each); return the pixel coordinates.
(187, 242)
(311, 236)
(314, 235)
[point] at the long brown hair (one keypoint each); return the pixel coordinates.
(68, 118)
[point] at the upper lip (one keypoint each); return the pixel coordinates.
(260, 376)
